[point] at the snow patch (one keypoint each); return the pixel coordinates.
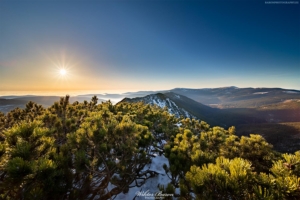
(187, 114)
(260, 92)
(291, 92)
(178, 124)
(158, 102)
(151, 184)
(171, 105)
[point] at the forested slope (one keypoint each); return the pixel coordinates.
(97, 151)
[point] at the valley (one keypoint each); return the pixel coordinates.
(284, 136)
(119, 124)
(271, 112)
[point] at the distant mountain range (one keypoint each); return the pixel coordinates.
(8, 103)
(180, 105)
(234, 97)
(225, 97)
(271, 112)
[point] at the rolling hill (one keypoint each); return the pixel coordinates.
(277, 122)
(233, 97)
(271, 112)
(180, 105)
(8, 103)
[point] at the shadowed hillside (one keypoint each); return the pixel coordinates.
(285, 137)
(214, 116)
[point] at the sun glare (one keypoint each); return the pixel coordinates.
(62, 72)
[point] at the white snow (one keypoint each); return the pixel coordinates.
(158, 102)
(157, 164)
(163, 142)
(187, 114)
(291, 92)
(178, 124)
(171, 106)
(151, 185)
(260, 92)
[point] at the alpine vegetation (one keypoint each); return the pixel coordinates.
(94, 150)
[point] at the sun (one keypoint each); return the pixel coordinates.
(62, 72)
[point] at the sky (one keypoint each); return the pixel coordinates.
(121, 46)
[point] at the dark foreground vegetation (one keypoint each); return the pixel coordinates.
(96, 151)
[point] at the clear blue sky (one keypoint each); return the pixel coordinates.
(148, 45)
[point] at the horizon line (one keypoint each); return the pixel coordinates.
(108, 92)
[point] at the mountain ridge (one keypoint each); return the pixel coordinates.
(222, 97)
(161, 100)
(232, 97)
(180, 105)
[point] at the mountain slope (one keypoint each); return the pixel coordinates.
(180, 105)
(233, 97)
(162, 100)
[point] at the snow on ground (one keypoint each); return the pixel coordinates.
(260, 92)
(163, 142)
(173, 108)
(291, 92)
(171, 105)
(151, 185)
(178, 124)
(187, 114)
(158, 102)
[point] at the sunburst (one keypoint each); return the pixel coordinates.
(63, 72)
